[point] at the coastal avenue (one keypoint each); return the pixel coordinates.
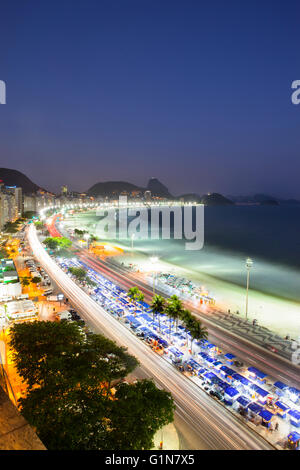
(274, 366)
(204, 422)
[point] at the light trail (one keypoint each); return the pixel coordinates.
(213, 425)
(274, 366)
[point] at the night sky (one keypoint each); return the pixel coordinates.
(195, 93)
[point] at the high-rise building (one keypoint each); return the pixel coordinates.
(17, 193)
(64, 190)
(8, 205)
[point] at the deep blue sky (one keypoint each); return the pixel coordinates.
(195, 93)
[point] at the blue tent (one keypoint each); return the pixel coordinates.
(176, 352)
(231, 391)
(258, 373)
(281, 405)
(295, 414)
(210, 376)
(227, 370)
(266, 415)
(294, 391)
(260, 391)
(229, 356)
(222, 384)
(243, 401)
(295, 417)
(255, 407)
(217, 363)
(294, 436)
(280, 385)
(131, 318)
(241, 379)
(146, 317)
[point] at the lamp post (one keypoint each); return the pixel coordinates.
(153, 261)
(87, 237)
(249, 264)
(132, 238)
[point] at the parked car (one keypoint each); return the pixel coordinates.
(216, 394)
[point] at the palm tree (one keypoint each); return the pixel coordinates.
(174, 310)
(170, 312)
(25, 281)
(135, 295)
(197, 331)
(177, 309)
(157, 306)
(187, 320)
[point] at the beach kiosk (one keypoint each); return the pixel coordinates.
(293, 394)
(266, 417)
(229, 358)
(293, 441)
(230, 395)
(281, 409)
(294, 418)
(257, 375)
(280, 388)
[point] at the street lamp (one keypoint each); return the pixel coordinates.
(153, 261)
(87, 237)
(132, 238)
(249, 264)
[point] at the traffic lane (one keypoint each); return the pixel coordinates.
(214, 424)
(248, 352)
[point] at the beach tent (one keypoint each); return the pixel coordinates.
(229, 358)
(294, 394)
(281, 409)
(243, 401)
(227, 373)
(257, 374)
(230, 394)
(294, 440)
(294, 418)
(280, 387)
(163, 342)
(231, 391)
(175, 351)
(146, 318)
(242, 379)
(261, 392)
(266, 416)
(255, 408)
(211, 377)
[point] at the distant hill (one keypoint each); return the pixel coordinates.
(158, 189)
(263, 199)
(16, 178)
(110, 188)
(215, 199)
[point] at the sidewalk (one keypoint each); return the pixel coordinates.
(168, 436)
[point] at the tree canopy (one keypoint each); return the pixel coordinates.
(56, 243)
(76, 398)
